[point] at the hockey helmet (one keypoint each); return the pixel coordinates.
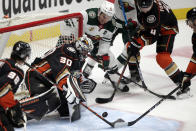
(107, 8)
(84, 45)
(191, 17)
(191, 14)
(144, 5)
(21, 50)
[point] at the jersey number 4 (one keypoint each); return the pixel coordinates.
(66, 61)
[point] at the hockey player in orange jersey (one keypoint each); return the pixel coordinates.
(191, 69)
(11, 76)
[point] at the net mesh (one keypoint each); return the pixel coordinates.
(47, 33)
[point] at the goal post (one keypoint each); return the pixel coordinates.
(42, 33)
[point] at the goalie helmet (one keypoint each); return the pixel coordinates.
(191, 14)
(21, 50)
(107, 8)
(84, 45)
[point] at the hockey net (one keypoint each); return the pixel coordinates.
(42, 32)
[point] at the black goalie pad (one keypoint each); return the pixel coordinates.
(36, 107)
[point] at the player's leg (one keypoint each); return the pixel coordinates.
(163, 57)
(37, 85)
(90, 63)
(112, 73)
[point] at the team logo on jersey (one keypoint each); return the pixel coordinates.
(92, 14)
(151, 19)
(71, 49)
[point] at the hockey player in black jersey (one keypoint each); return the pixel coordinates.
(62, 66)
(11, 76)
(191, 69)
(158, 24)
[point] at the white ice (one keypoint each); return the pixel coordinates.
(170, 115)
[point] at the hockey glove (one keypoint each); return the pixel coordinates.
(15, 116)
(104, 61)
(185, 84)
(88, 86)
(73, 92)
(131, 27)
(133, 48)
(186, 80)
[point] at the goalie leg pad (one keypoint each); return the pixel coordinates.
(36, 107)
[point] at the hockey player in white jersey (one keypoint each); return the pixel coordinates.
(100, 26)
(130, 28)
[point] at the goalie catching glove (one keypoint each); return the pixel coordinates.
(72, 91)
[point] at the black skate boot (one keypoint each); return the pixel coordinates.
(113, 77)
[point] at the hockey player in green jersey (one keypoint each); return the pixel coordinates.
(98, 26)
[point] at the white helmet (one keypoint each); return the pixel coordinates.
(107, 8)
(84, 45)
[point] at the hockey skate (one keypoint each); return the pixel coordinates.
(133, 77)
(114, 78)
(184, 93)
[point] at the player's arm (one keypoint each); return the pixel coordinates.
(7, 101)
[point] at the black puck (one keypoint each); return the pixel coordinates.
(105, 114)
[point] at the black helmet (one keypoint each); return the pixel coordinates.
(191, 14)
(144, 3)
(20, 51)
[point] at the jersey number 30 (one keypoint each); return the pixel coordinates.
(66, 61)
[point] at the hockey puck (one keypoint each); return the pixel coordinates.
(105, 114)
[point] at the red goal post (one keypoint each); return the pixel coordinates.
(39, 33)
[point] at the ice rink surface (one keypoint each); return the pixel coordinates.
(170, 115)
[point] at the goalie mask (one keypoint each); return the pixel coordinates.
(21, 50)
(84, 45)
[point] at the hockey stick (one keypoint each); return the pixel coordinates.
(149, 110)
(145, 87)
(113, 85)
(112, 124)
(106, 100)
(137, 63)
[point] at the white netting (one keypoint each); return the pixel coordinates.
(41, 37)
